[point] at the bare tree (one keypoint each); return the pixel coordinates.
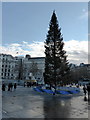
(34, 68)
(19, 70)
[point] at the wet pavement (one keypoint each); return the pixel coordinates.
(27, 103)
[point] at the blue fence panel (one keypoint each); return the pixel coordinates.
(47, 91)
(36, 89)
(62, 92)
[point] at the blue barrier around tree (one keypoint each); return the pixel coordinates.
(36, 89)
(63, 92)
(47, 91)
(73, 91)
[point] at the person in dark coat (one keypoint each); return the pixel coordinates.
(15, 85)
(24, 84)
(27, 84)
(88, 89)
(9, 87)
(84, 90)
(3, 87)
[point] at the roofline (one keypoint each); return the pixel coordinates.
(6, 54)
(37, 58)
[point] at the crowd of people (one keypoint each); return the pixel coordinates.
(10, 86)
(13, 86)
(29, 84)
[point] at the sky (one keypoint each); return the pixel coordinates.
(25, 26)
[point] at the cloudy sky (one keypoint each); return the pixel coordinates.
(25, 25)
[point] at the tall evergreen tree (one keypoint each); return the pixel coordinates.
(56, 64)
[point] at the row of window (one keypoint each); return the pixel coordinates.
(6, 74)
(6, 70)
(6, 66)
(5, 59)
(6, 77)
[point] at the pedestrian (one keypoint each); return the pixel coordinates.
(85, 98)
(27, 84)
(53, 89)
(88, 89)
(9, 87)
(84, 90)
(15, 85)
(3, 87)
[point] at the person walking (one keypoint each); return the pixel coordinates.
(88, 89)
(84, 90)
(9, 87)
(53, 89)
(15, 86)
(3, 87)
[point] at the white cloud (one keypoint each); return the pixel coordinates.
(77, 51)
(35, 49)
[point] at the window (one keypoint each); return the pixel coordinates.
(5, 70)
(5, 74)
(2, 65)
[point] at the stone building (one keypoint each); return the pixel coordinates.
(30, 68)
(7, 65)
(34, 65)
(20, 67)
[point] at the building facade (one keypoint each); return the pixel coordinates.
(20, 67)
(7, 65)
(31, 68)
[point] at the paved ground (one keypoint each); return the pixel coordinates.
(26, 103)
